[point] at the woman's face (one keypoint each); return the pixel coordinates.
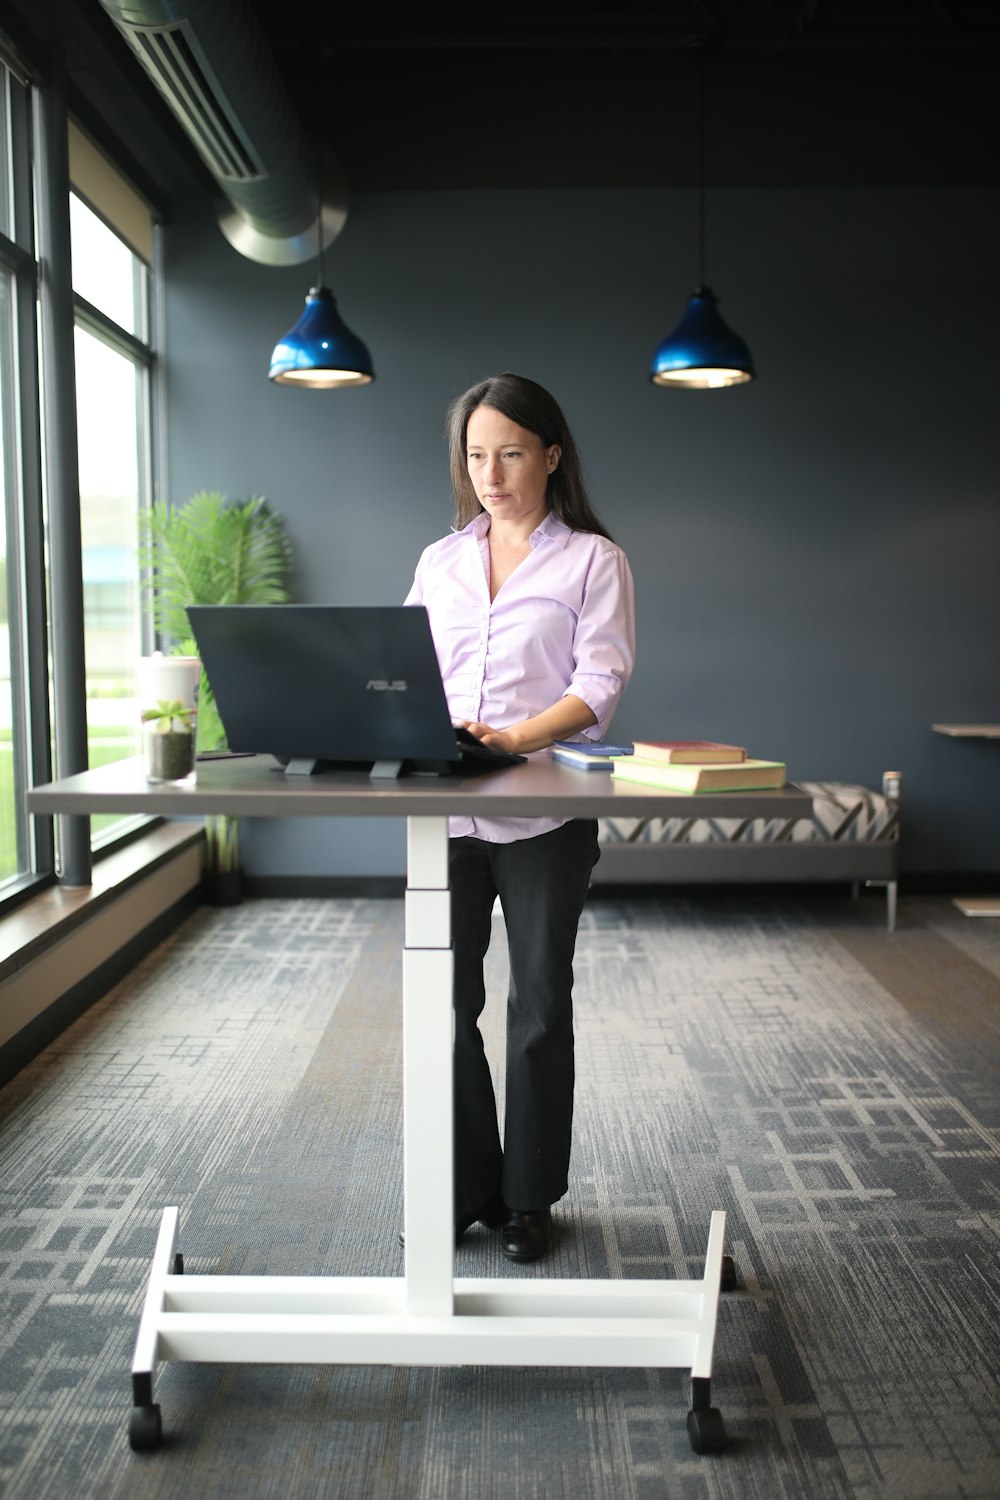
(508, 465)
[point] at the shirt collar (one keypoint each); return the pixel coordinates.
(551, 529)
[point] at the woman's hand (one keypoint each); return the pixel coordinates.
(564, 718)
(497, 739)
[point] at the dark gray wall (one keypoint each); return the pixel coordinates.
(816, 554)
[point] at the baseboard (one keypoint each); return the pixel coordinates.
(374, 887)
(380, 887)
(931, 884)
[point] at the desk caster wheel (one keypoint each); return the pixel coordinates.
(729, 1282)
(179, 1265)
(707, 1430)
(145, 1429)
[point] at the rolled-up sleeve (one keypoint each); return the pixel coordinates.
(604, 640)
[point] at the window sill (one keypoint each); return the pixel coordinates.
(55, 912)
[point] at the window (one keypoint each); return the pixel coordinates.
(12, 822)
(109, 401)
(19, 493)
(113, 358)
(112, 235)
(6, 204)
(106, 272)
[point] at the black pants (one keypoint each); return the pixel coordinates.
(542, 884)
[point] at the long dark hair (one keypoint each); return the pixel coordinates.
(530, 406)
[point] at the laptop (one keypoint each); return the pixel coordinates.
(327, 686)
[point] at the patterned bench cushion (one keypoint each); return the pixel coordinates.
(841, 814)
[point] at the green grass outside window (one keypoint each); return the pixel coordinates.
(107, 744)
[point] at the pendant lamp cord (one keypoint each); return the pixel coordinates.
(319, 208)
(701, 163)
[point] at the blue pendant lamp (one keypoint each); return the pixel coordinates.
(321, 352)
(703, 353)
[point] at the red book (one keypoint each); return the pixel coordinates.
(689, 752)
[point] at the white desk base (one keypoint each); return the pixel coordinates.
(325, 1320)
(427, 1316)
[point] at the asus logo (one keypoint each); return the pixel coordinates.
(379, 685)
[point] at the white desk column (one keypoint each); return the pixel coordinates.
(429, 1215)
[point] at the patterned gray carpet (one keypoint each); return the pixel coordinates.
(834, 1087)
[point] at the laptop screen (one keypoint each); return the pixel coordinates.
(326, 682)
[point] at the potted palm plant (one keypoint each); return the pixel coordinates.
(212, 550)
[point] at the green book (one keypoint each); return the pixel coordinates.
(740, 776)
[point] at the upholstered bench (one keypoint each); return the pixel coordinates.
(853, 835)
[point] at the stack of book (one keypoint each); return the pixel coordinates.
(697, 766)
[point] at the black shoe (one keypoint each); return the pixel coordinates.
(492, 1214)
(526, 1235)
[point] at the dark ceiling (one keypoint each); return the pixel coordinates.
(588, 93)
(595, 93)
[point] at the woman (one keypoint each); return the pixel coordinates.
(531, 608)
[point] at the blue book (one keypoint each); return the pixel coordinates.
(593, 747)
(588, 755)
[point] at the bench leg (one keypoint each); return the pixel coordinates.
(891, 887)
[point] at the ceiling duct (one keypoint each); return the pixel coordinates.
(211, 63)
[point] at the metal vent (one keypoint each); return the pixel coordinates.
(181, 72)
(210, 61)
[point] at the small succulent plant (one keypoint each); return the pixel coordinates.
(170, 716)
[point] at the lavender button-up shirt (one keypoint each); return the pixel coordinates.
(563, 622)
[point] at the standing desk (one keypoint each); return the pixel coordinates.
(428, 1316)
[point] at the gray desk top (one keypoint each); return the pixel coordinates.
(969, 731)
(254, 788)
